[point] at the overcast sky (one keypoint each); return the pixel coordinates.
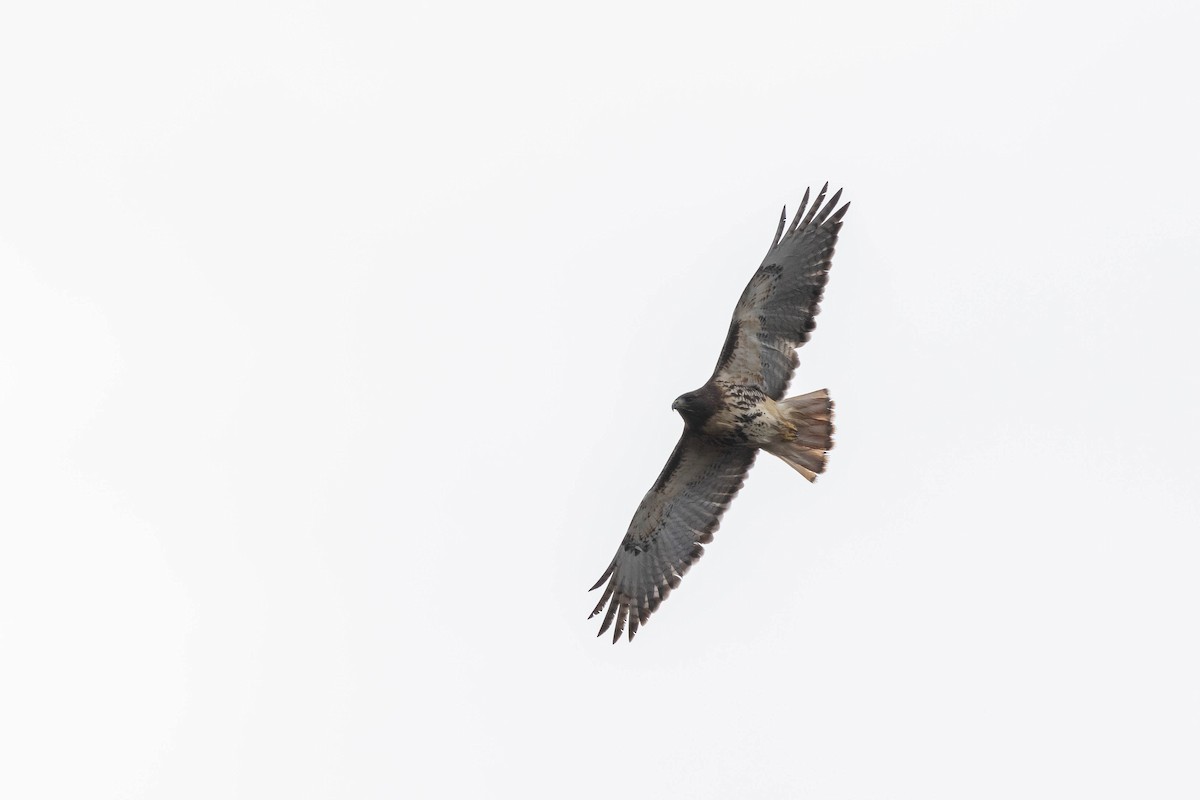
(337, 346)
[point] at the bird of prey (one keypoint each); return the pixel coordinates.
(739, 411)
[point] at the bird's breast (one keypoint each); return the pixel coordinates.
(745, 417)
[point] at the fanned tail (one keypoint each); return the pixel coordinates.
(812, 414)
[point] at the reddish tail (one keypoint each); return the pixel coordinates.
(812, 416)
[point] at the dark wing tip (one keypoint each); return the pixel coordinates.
(779, 230)
(819, 213)
(622, 618)
(833, 201)
(816, 206)
(841, 212)
(800, 211)
(605, 576)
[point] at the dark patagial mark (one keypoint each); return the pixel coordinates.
(730, 343)
(669, 469)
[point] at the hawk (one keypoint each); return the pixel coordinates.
(739, 411)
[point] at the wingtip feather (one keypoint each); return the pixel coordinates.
(603, 599)
(779, 230)
(816, 206)
(841, 212)
(833, 201)
(622, 618)
(800, 211)
(605, 576)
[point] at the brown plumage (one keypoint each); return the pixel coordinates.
(739, 411)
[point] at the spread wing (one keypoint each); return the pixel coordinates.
(676, 519)
(778, 309)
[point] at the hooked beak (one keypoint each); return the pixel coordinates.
(675, 406)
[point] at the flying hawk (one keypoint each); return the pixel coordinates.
(729, 419)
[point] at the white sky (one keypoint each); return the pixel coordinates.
(337, 346)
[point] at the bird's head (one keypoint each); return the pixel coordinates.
(696, 407)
